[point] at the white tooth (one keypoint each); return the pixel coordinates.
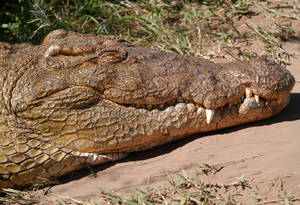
(161, 106)
(101, 157)
(191, 107)
(110, 157)
(209, 115)
(248, 93)
(92, 157)
(76, 153)
(84, 154)
(200, 110)
(256, 98)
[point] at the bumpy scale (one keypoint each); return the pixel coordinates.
(85, 99)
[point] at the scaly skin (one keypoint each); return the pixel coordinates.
(84, 99)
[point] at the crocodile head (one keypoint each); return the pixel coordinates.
(91, 96)
(101, 94)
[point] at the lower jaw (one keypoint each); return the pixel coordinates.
(180, 121)
(239, 114)
(223, 117)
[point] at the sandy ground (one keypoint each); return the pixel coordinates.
(266, 153)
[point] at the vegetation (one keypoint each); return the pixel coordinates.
(205, 28)
(182, 189)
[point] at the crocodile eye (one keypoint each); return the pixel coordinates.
(62, 56)
(58, 49)
(106, 55)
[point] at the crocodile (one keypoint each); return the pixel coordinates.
(83, 99)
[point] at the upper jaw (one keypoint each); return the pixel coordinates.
(268, 79)
(248, 103)
(262, 80)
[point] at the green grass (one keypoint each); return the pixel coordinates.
(181, 189)
(207, 28)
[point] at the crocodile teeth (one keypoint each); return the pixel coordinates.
(256, 98)
(84, 154)
(199, 110)
(92, 157)
(108, 156)
(248, 93)
(209, 115)
(76, 153)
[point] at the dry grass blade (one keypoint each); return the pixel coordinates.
(13, 196)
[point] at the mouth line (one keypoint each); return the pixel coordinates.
(199, 116)
(252, 100)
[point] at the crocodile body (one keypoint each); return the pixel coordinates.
(84, 99)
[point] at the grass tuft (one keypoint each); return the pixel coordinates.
(207, 28)
(13, 196)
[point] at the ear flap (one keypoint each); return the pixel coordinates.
(60, 56)
(106, 55)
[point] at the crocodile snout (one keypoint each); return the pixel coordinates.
(272, 80)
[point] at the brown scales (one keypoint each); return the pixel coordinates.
(80, 99)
